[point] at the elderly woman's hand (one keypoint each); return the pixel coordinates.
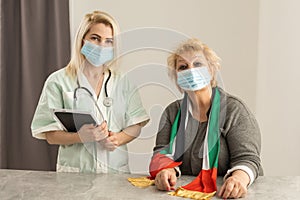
(235, 186)
(166, 179)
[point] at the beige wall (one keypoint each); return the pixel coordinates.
(278, 90)
(250, 36)
(229, 27)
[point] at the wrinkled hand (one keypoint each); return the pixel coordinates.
(166, 179)
(235, 186)
(92, 133)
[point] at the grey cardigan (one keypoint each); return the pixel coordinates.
(240, 140)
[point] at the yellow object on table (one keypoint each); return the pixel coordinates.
(181, 192)
(141, 182)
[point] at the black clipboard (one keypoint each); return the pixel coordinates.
(73, 120)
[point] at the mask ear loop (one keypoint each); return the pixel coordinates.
(90, 95)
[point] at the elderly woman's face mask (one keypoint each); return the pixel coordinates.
(193, 79)
(192, 72)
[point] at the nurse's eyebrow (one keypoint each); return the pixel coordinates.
(95, 34)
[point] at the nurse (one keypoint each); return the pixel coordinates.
(91, 70)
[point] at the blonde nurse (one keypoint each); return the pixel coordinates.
(94, 149)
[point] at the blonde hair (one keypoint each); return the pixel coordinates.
(195, 45)
(87, 22)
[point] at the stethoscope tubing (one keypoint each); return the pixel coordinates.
(88, 91)
(91, 94)
(105, 84)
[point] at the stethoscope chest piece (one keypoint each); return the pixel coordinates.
(107, 101)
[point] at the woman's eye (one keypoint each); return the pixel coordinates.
(182, 67)
(109, 42)
(197, 64)
(95, 39)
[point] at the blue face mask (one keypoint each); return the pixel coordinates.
(193, 79)
(97, 55)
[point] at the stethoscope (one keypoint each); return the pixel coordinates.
(107, 102)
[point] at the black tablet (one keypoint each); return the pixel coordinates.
(72, 120)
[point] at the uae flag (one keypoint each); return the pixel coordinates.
(204, 185)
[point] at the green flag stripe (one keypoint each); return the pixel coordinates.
(173, 135)
(213, 132)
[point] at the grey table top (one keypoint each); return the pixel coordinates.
(21, 184)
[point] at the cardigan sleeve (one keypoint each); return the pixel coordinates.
(243, 137)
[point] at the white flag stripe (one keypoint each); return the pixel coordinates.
(205, 162)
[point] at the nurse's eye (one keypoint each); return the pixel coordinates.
(197, 64)
(94, 38)
(182, 67)
(109, 42)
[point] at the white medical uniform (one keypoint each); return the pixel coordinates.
(126, 110)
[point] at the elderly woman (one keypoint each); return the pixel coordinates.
(206, 109)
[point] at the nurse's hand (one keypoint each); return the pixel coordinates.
(117, 139)
(112, 142)
(92, 133)
(166, 179)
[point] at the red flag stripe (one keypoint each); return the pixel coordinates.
(160, 162)
(204, 182)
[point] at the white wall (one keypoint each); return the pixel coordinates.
(278, 90)
(229, 27)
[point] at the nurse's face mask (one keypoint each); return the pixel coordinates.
(97, 55)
